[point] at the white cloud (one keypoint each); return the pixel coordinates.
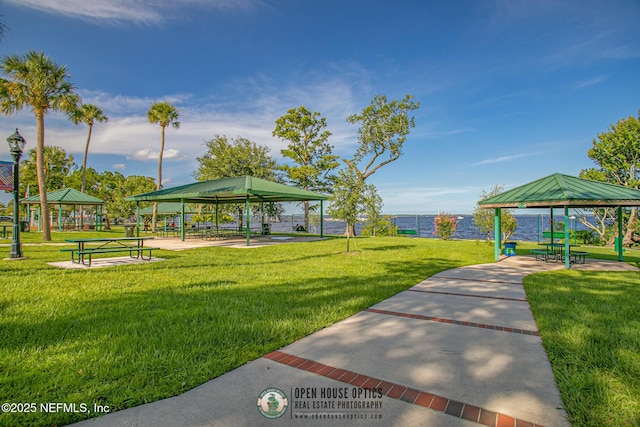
(149, 154)
(587, 83)
(502, 159)
(119, 166)
(144, 12)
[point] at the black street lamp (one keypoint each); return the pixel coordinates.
(16, 145)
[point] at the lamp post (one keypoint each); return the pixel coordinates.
(16, 145)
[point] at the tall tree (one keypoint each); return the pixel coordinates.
(164, 114)
(309, 149)
(34, 80)
(58, 168)
(88, 114)
(616, 154)
(384, 126)
(347, 200)
(238, 157)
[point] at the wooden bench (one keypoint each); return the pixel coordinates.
(407, 232)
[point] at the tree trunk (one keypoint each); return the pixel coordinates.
(159, 185)
(350, 230)
(42, 177)
(630, 229)
(84, 174)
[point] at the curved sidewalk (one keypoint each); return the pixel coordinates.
(458, 349)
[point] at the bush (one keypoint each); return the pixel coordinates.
(445, 225)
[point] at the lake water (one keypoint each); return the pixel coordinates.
(529, 226)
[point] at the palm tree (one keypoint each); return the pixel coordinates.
(163, 114)
(34, 80)
(89, 114)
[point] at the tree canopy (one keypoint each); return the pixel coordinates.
(384, 126)
(37, 82)
(616, 154)
(310, 151)
(238, 157)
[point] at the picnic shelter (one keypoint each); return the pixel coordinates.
(65, 197)
(563, 191)
(235, 190)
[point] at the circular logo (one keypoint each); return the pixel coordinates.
(273, 403)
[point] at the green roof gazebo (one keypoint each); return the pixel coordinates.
(66, 197)
(242, 189)
(563, 191)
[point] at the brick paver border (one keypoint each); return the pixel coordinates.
(400, 392)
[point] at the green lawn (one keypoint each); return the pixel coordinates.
(590, 327)
(128, 335)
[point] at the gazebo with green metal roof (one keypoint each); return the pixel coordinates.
(242, 189)
(66, 197)
(563, 191)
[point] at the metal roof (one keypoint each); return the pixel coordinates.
(229, 190)
(564, 190)
(65, 196)
(169, 208)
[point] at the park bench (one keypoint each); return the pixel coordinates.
(544, 253)
(407, 232)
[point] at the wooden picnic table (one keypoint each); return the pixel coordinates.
(101, 245)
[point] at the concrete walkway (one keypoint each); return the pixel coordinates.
(458, 349)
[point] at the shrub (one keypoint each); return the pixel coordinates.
(444, 226)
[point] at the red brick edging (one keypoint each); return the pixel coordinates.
(400, 392)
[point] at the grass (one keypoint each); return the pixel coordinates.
(590, 327)
(128, 335)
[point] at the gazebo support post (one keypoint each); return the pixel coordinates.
(497, 226)
(138, 218)
(59, 217)
(321, 221)
(247, 209)
(567, 263)
(619, 248)
(182, 226)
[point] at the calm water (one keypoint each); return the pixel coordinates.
(529, 226)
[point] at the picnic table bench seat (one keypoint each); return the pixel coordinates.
(578, 256)
(544, 253)
(134, 246)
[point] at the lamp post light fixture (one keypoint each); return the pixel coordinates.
(16, 146)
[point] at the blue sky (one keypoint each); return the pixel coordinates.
(510, 90)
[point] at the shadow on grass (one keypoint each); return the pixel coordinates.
(115, 338)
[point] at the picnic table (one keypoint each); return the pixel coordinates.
(5, 230)
(86, 248)
(555, 252)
